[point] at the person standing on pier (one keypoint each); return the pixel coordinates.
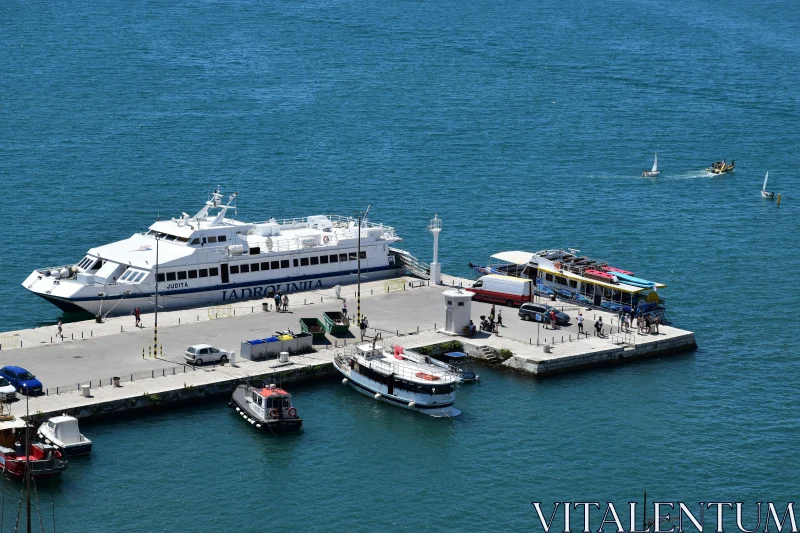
(60, 324)
(137, 314)
(491, 314)
(598, 327)
(285, 303)
(363, 327)
(580, 323)
(553, 319)
(344, 308)
(278, 300)
(656, 322)
(499, 319)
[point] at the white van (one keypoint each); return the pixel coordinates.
(508, 290)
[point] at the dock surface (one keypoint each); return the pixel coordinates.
(411, 314)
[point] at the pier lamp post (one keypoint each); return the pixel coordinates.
(361, 218)
(155, 320)
(436, 269)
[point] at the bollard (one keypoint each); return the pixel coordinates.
(570, 338)
(234, 312)
(81, 334)
(530, 340)
(73, 336)
(51, 340)
(398, 332)
(562, 339)
(120, 329)
(152, 374)
(149, 351)
(198, 318)
(179, 321)
(251, 308)
(162, 373)
(417, 329)
(304, 302)
(161, 351)
(91, 333)
(370, 292)
(142, 352)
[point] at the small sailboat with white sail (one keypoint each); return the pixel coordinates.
(654, 172)
(764, 192)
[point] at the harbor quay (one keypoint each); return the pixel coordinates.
(403, 311)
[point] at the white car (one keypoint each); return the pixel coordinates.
(7, 390)
(205, 353)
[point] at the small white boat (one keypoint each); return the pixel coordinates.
(654, 171)
(764, 192)
(63, 433)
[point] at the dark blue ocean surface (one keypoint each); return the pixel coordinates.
(523, 125)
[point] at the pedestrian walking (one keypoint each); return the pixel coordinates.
(285, 303)
(598, 326)
(580, 323)
(553, 319)
(363, 326)
(499, 319)
(60, 334)
(491, 314)
(278, 300)
(138, 315)
(344, 308)
(657, 321)
(647, 323)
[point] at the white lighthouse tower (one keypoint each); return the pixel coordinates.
(436, 268)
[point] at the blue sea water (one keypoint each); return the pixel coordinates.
(523, 125)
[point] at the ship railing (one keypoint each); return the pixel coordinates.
(338, 221)
(389, 365)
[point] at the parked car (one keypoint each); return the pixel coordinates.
(7, 390)
(205, 353)
(541, 313)
(22, 380)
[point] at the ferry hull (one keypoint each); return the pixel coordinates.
(168, 300)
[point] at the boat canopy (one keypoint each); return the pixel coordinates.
(515, 257)
(65, 428)
(456, 355)
(616, 286)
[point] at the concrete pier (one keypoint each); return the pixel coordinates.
(406, 311)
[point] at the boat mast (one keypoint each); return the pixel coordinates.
(27, 459)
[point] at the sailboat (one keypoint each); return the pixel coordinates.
(654, 171)
(764, 193)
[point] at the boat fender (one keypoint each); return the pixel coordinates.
(326, 239)
(377, 395)
(344, 381)
(258, 426)
(273, 413)
(412, 404)
(292, 411)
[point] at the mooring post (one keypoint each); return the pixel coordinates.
(179, 321)
(142, 352)
(120, 329)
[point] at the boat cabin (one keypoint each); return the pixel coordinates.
(270, 402)
(65, 429)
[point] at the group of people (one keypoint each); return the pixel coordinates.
(720, 165)
(495, 325)
(281, 302)
(642, 322)
(552, 319)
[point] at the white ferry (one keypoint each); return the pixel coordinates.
(208, 259)
(405, 379)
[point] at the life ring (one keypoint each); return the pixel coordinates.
(326, 239)
(292, 411)
(273, 413)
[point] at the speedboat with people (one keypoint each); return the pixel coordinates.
(210, 259)
(399, 377)
(721, 167)
(654, 171)
(266, 408)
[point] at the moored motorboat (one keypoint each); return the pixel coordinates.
(654, 171)
(266, 408)
(63, 433)
(721, 167)
(405, 379)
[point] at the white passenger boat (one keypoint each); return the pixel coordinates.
(63, 433)
(208, 259)
(405, 379)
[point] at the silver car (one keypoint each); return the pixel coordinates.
(7, 390)
(205, 353)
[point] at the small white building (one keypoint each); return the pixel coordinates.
(458, 310)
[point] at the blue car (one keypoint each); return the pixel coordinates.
(22, 380)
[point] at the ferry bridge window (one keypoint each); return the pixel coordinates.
(245, 269)
(97, 265)
(323, 259)
(203, 272)
(255, 250)
(294, 262)
(561, 280)
(573, 283)
(304, 261)
(139, 277)
(548, 277)
(362, 255)
(195, 241)
(265, 265)
(353, 256)
(284, 263)
(254, 267)
(212, 238)
(170, 276)
(234, 269)
(222, 238)
(171, 237)
(214, 271)
(125, 275)
(160, 278)
(314, 260)
(182, 274)
(182, 239)
(342, 257)
(274, 265)
(334, 258)
(192, 274)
